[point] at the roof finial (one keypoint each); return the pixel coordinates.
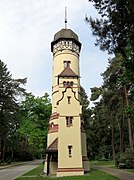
(65, 17)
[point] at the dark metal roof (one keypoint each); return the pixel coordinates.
(66, 33)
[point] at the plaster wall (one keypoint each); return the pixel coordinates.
(51, 137)
(69, 136)
(58, 63)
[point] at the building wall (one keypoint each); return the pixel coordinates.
(67, 135)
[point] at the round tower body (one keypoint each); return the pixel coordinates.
(66, 49)
(66, 142)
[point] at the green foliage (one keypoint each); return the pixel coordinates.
(35, 114)
(115, 30)
(23, 156)
(125, 160)
(108, 127)
(95, 93)
(115, 26)
(86, 111)
(10, 89)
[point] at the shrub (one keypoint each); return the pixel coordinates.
(23, 156)
(125, 160)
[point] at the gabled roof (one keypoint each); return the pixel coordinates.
(68, 72)
(53, 146)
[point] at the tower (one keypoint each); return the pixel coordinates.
(66, 152)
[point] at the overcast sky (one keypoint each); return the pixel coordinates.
(27, 28)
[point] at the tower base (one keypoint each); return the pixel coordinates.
(70, 172)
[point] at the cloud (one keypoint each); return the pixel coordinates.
(27, 28)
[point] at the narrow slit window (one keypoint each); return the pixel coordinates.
(67, 121)
(71, 121)
(68, 63)
(70, 151)
(69, 99)
(65, 64)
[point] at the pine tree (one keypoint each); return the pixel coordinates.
(9, 89)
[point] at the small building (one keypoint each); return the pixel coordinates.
(66, 153)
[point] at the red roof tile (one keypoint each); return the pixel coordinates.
(53, 146)
(68, 72)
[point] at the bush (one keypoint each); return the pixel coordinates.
(125, 160)
(23, 156)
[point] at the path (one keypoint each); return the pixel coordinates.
(10, 173)
(121, 174)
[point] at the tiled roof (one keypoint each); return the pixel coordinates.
(53, 146)
(68, 72)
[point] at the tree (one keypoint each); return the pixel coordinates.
(110, 110)
(35, 114)
(115, 33)
(115, 29)
(9, 90)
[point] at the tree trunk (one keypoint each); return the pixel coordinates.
(129, 120)
(33, 152)
(122, 134)
(113, 140)
(3, 144)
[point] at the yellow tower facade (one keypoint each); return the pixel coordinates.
(66, 142)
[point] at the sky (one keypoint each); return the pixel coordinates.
(27, 28)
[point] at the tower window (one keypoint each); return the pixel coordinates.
(66, 64)
(69, 99)
(68, 83)
(69, 121)
(64, 83)
(71, 83)
(70, 150)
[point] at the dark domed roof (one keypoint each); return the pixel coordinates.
(66, 33)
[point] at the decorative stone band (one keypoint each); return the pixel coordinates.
(55, 115)
(85, 158)
(53, 129)
(70, 170)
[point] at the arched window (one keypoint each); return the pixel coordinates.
(71, 83)
(52, 125)
(64, 83)
(68, 83)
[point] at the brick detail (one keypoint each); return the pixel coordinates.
(55, 115)
(53, 129)
(70, 170)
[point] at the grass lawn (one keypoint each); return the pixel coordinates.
(36, 174)
(129, 170)
(103, 163)
(110, 164)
